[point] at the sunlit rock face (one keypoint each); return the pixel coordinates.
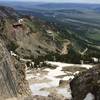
(86, 82)
(8, 86)
(12, 75)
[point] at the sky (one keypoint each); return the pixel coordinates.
(73, 1)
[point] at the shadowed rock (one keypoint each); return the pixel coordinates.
(86, 82)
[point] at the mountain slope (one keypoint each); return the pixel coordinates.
(79, 26)
(48, 34)
(31, 37)
(28, 37)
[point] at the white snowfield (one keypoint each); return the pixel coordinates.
(53, 76)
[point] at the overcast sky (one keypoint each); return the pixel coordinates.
(74, 1)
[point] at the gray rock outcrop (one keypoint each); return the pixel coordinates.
(12, 77)
(86, 82)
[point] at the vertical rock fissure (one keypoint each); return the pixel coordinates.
(10, 79)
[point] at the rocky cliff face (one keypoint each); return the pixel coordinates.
(8, 86)
(12, 75)
(85, 83)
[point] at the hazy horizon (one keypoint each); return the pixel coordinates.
(56, 1)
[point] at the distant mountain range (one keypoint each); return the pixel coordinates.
(50, 6)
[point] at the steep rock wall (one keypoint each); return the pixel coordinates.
(12, 76)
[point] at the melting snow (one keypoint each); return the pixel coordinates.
(67, 65)
(77, 72)
(89, 96)
(66, 92)
(29, 76)
(37, 88)
(68, 78)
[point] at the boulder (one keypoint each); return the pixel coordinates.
(86, 82)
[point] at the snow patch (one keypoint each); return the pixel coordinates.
(29, 76)
(89, 96)
(68, 78)
(87, 66)
(66, 92)
(54, 76)
(77, 72)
